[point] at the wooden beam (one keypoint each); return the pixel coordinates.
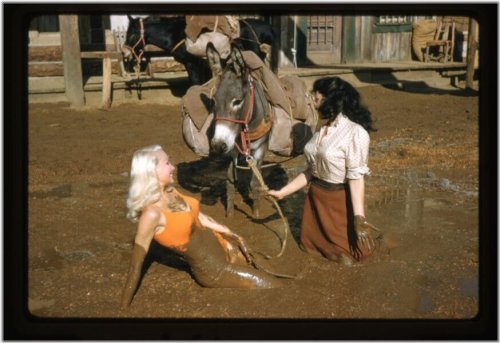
(106, 83)
(45, 69)
(44, 53)
(471, 54)
(276, 60)
(101, 54)
(70, 42)
(42, 69)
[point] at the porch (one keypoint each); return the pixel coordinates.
(400, 74)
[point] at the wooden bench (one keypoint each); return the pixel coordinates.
(106, 57)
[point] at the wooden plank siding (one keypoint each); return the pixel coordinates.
(361, 43)
(349, 40)
(366, 37)
(47, 61)
(391, 47)
(45, 50)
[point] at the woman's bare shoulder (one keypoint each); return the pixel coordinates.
(150, 214)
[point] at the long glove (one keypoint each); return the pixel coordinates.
(366, 232)
(134, 274)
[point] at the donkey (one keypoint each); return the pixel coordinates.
(242, 124)
(168, 34)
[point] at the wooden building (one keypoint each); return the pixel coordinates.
(303, 40)
(331, 40)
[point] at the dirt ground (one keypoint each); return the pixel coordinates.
(423, 193)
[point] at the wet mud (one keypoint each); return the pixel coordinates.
(423, 193)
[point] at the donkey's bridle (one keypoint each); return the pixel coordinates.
(138, 57)
(245, 134)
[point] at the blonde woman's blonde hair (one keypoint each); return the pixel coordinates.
(144, 187)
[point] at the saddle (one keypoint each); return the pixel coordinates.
(219, 30)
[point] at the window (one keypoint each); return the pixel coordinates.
(392, 23)
(393, 20)
(45, 23)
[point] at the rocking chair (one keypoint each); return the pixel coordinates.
(442, 47)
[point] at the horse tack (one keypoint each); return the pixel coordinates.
(253, 33)
(286, 227)
(138, 57)
(176, 46)
(263, 128)
(246, 135)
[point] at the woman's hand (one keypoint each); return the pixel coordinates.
(275, 193)
(366, 232)
(299, 182)
(243, 246)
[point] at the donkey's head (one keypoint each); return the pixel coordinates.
(231, 101)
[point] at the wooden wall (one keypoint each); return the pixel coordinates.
(47, 61)
(391, 46)
(45, 53)
(361, 43)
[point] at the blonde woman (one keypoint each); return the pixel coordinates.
(175, 221)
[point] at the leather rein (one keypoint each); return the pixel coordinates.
(246, 135)
(138, 57)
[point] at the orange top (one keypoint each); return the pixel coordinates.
(179, 225)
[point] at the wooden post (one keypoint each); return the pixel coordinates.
(471, 53)
(70, 41)
(275, 53)
(106, 83)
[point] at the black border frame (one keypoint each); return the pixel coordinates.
(19, 324)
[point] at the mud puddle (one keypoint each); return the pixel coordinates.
(79, 241)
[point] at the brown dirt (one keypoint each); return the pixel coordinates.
(423, 194)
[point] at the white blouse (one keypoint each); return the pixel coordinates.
(341, 154)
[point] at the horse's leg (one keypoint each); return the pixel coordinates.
(255, 186)
(230, 189)
(255, 195)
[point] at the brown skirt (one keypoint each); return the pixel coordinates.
(328, 222)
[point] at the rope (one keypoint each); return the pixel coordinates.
(137, 69)
(176, 46)
(272, 164)
(250, 259)
(253, 32)
(286, 228)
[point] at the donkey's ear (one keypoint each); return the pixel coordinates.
(130, 18)
(237, 59)
(214, 60)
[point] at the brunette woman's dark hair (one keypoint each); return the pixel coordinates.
(340, 96)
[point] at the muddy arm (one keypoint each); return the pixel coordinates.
(210, 223)
(148, 222)
(134, 274)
